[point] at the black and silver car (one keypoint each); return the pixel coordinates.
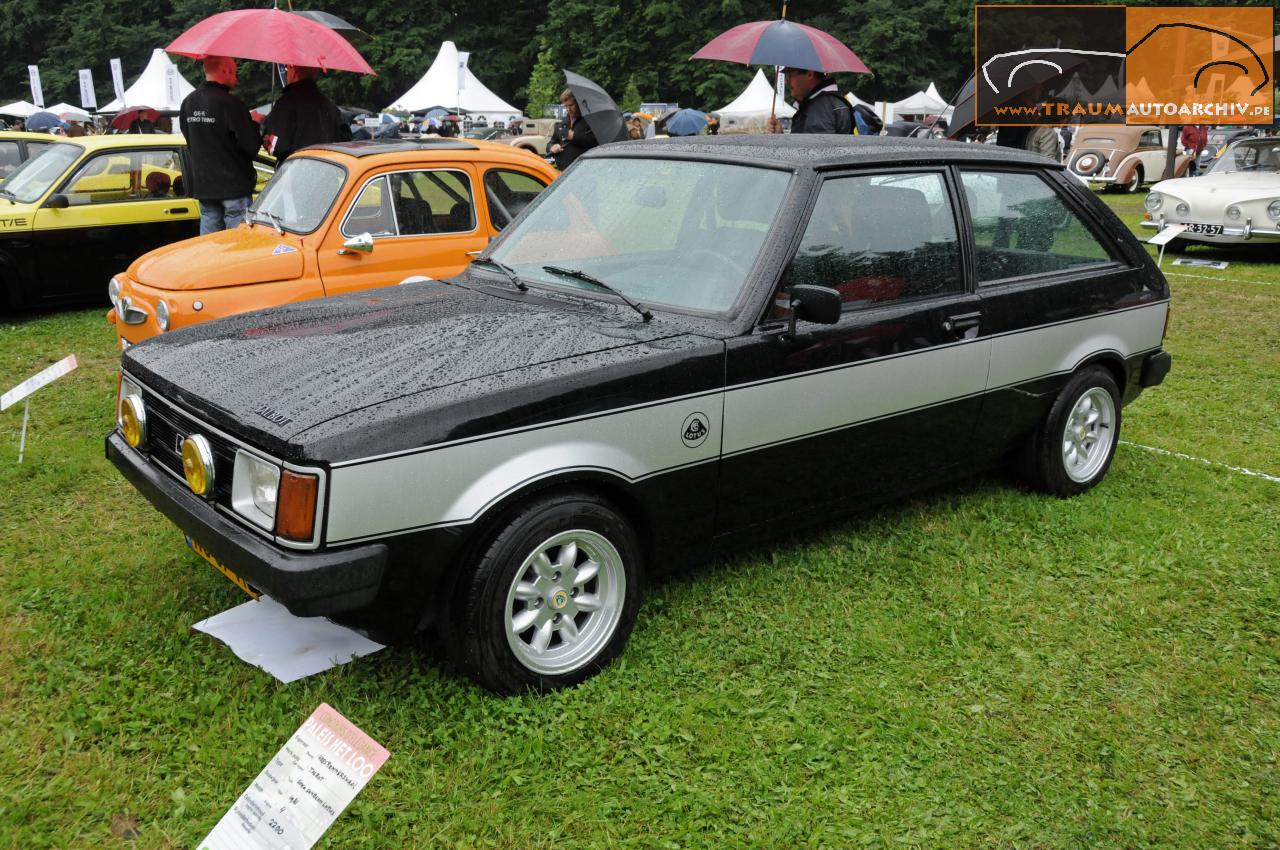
(677, 345)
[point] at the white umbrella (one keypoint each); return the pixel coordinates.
(67, 112)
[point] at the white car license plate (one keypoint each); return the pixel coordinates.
(1206, 229)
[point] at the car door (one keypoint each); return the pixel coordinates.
(1048, 278)
(884, 399)
(119, 204)
(423, 221)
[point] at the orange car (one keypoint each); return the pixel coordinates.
(335, 218)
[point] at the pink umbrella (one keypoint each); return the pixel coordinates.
(270, 35)
(784, 43)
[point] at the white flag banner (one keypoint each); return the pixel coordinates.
(88, 97)
(172, 93)
(37, 95)
(117, 80)
(462, 69)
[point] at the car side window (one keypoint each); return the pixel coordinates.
(509, 192)
(1151, 137)
(879, 239)
(1022, 227)
(10, 158)
(371, 213)
(436, 201)
(115, 176)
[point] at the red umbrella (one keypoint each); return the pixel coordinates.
(124, 120)
(784, 43)
(270, 35)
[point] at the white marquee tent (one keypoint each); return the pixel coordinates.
(19, 109)
(152, 88)
(750, 110)
(921, 103)
(67, 112)
(439, 87)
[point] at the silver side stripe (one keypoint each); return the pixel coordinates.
(453, 484)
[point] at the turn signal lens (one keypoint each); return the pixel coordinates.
(162, 314)
(197, 464)
(133, 420)
(296, 514)
(1233, 212)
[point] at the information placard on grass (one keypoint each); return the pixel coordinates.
(303, 789)
(38, 380)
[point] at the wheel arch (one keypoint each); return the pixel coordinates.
(1113, 362)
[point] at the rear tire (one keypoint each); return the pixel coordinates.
(1134, 186)
(550, 600)
(1072, 449)
(1177, 246)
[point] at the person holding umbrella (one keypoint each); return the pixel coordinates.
(572, 137)
(819, 106)
(223, 140)
(302, 116)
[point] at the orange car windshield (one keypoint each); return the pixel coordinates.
(300, 194)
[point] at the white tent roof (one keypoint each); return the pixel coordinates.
(854, 100)
(933, 92)
(920, 103)
(150, 89)
(67, 111)
(756, 100)
(19, 109)
(439, 87)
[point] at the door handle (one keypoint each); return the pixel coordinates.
(475, 253)
(961, 323)
(177, 211)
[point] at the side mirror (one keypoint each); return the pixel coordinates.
(362, 244)
(819, 304)
(57, 202)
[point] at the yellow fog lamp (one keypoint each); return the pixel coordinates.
(133, 420)
(197, 464)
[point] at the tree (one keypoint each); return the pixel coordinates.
(544, 84)
(631, 97)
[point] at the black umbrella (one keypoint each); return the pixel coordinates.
(344, 28)
(597, 108)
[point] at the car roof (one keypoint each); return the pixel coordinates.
(820, 151)
(382, 151)
(31, 136)
(127, 140)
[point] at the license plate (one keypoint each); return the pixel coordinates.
(218, 565)
(1206, 229)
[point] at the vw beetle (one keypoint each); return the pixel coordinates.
(678, 345)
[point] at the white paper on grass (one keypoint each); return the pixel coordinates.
(263, 633)
(1167, 235)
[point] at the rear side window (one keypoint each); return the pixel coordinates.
(880, 238)
(1022, 227)
(10, 158)
(508, 192)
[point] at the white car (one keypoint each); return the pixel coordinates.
(1236, 201)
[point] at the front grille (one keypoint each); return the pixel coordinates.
(168, 427)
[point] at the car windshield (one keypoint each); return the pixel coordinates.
(663, 232)
(32, 179)
(300, 194)
(1249, 155)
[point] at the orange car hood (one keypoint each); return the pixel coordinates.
(232, 257)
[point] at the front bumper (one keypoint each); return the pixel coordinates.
(309, 584)
(1229, 234)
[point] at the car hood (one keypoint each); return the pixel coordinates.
(273, 374)
(233, 257)
(1231, 188)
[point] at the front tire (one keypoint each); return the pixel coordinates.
(1072, 449)
(552, 598)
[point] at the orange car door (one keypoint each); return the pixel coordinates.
(422, 222)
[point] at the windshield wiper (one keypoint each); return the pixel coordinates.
(272, 217)
(9, 196)
(578, 274)
(506, 270)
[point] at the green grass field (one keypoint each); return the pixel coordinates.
(977, 667)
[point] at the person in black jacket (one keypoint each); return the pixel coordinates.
(302, 116)
(820, 107)
(572, 137)
(222, 140)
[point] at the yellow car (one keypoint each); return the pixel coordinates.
(88, 206)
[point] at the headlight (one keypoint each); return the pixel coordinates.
(113, 291)
(133, 420)
(197, 464)
(255, 487)
(162, 314)
(1273, 209)
(1233, 212)
(1182, 208)
(1153, 201)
